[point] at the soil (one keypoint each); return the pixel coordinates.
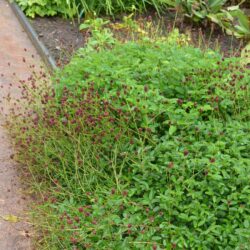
(62, 37)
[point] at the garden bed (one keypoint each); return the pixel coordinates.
(142, 140)
(62, 37)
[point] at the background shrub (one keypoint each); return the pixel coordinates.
(80, 7)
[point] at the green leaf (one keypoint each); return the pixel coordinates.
(232, 8)
(172, 130)
(207, 107)
(246, 223)
(84, 26)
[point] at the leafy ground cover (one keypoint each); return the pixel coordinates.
(139, 145)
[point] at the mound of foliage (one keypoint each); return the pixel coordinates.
(140, 146)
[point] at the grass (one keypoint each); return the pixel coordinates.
(139, 145)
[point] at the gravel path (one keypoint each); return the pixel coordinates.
(14, 226)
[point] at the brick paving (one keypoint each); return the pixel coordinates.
(13, 41)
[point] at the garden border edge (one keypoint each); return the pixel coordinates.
(38, 44)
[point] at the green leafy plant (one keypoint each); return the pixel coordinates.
(139, 145)
(233, 21)
(42, 8)
(230, 18)
(101, 36)
(70, 8)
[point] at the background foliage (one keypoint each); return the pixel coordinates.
(229, 17)
(80, 7)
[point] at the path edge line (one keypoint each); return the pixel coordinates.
(38, 44)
